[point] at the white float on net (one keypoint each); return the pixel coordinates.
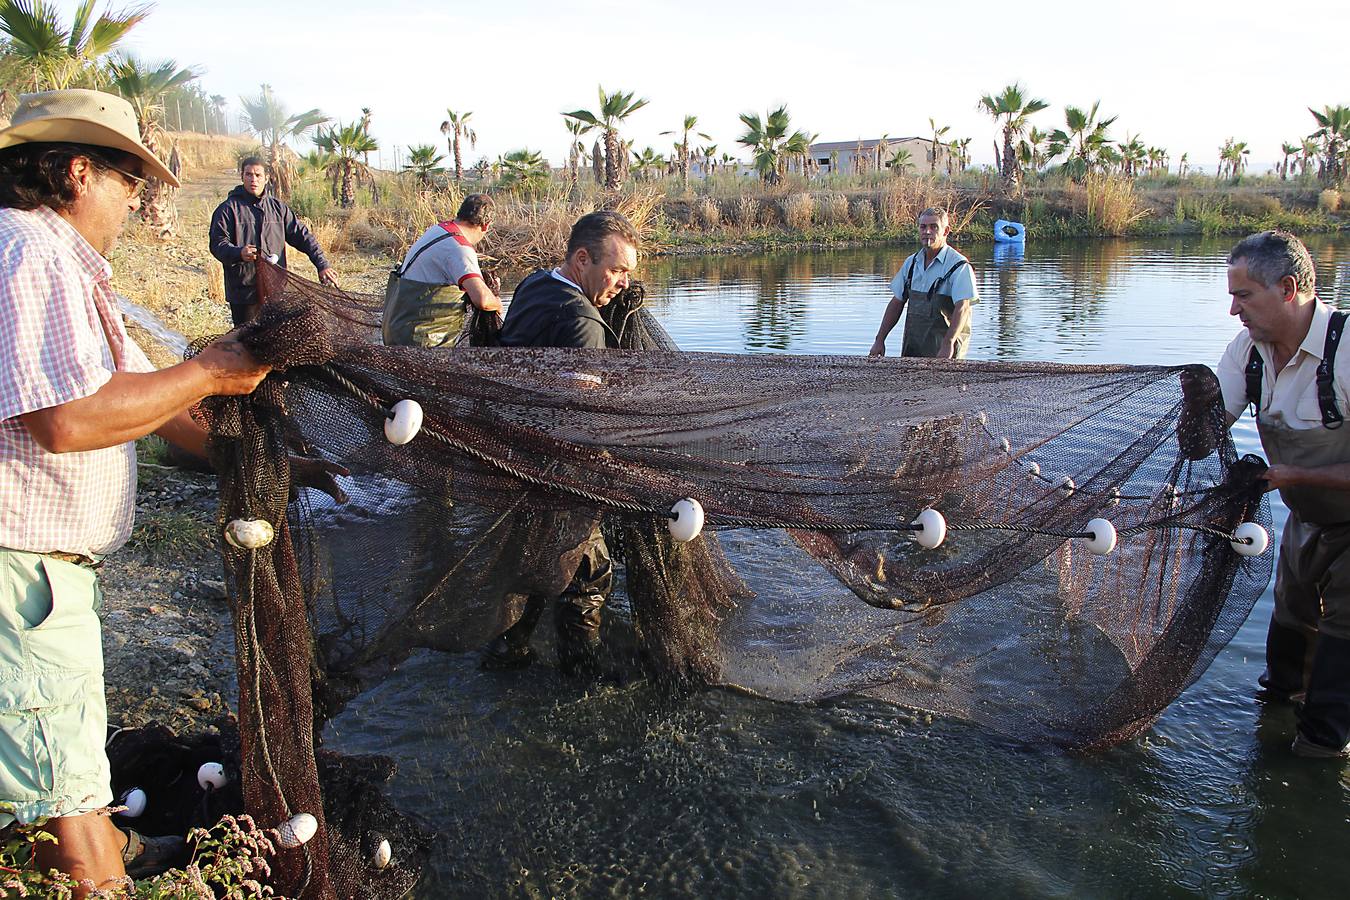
(383, 854)
(211, 776)
(686, 520)
(249, 534)
(297, 830)
(1103, 539)
(930, 529)
(1066, 485)
(1250, 539)
(403, 423)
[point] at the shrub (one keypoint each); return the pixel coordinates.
(1329, 201)
(1112, 205)
(833, 210)
(708, 214)
(745, 212)
(864, 214)
(799, 212)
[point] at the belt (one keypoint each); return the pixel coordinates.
(78, 559)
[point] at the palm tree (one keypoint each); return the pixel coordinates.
(321, 161)
(1306, 154)
(575, 148)
(1132, 154)
(962, 153)
(937, 137)
(1333, 133)
(613, 110)
(218, 102)
(524, 171)
(423, 161)
(1083, 138)
(1013, 108)
(1232, 158)
(1157, 160)
(269, 120)
(769, 140)
(1183, 165)
(348, 144)
(709, 156)
(456, 127)
(646, 162)
(56, 56)
(1029, 150)
(682, 148)
(1289, 150)
(901, 160)
(144, 88)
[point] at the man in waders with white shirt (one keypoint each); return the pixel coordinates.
(424, 300)
(1290, 365)
(938, 286)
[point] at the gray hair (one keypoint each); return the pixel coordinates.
(943, 218)
(1273, 255)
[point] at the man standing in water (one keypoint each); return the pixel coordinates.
(422, 305)
(561, 308)
(938, 286)
(253, 224)
(75, 394)
(1290, 365)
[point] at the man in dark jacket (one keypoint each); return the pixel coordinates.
(561, 308)
(251, 224)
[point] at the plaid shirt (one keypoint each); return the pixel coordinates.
(61, 338)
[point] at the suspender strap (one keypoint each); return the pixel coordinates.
(420, 250)
(948, 274)
(909, 276)
(1254, 370)
(1326, 373)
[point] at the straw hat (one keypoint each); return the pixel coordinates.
(79, 116)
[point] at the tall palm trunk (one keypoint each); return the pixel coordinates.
(613, 172)
(459, 162)
(1011, 170)
(348, 185)
(158, 207)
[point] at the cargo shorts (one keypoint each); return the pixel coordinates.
(53, 716)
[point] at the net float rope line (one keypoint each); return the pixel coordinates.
(733, 522)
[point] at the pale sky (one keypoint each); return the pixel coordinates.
(1183, 76)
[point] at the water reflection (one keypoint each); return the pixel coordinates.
(1091, 301)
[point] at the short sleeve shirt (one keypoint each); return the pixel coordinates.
(1289, 398)
(61, 339)
(961, 285)
(451, 261)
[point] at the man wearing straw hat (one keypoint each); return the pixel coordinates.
(75, 394)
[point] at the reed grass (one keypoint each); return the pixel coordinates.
(1112, 205)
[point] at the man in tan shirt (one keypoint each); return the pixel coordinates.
(1290, 343)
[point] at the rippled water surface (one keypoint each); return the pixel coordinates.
(542, 788)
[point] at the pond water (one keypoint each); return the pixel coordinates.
(541, 787)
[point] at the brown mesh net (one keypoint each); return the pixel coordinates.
(806, 581)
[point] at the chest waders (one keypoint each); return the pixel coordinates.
(420, 314)
(930, 315)
(1308, 644)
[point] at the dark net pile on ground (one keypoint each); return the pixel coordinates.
(806, 582)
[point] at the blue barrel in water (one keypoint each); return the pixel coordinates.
(1006, 232)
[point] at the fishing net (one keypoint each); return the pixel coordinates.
(807, 581)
